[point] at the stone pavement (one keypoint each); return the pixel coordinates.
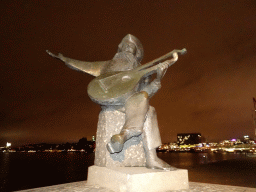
(193, 187)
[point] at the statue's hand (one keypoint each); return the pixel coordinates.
(51, 54)
(59, 56)
(161, 70)
(164, 66)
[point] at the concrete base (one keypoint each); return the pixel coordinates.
(110, 123)
(82, 186)
(134, 179)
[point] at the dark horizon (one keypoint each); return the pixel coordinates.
(209, 90)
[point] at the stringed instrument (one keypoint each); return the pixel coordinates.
(115, 87)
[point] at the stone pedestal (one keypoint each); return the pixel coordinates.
(110, 123)
(137, 179)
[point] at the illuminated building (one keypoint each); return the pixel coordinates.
(246, 139)
(8, 145)
(188, 138)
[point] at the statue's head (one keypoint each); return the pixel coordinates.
(132, 45)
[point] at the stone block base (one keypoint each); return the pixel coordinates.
(137, 179)
(110, 123)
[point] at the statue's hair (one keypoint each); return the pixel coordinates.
(136, 42)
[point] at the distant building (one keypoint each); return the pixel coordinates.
(188, 138)
(246, 138)
(91, 137)
(254, 117)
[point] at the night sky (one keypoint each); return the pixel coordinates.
(209, 90)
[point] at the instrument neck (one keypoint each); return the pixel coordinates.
(160, 59)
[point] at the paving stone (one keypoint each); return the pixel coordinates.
(193, 187)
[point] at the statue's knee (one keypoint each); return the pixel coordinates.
(134, 131)
(143, 97)
(139, 98)
(145, 94)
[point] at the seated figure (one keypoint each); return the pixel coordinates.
(135, 118)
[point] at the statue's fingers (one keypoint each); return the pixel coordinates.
(159, 72)
(164, 65)
(164, 71)
(163, 68)
(47, 51)
(50, 53)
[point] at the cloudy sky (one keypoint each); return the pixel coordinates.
(209, 90)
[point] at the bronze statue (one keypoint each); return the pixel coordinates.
(126, 85)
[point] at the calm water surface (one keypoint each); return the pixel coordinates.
(29, 170)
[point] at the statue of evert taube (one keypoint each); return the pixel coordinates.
(123, 88)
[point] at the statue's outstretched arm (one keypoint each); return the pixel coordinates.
(92, 68)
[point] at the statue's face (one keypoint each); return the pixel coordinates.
(129, 47)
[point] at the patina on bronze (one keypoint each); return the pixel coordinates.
(124, 83)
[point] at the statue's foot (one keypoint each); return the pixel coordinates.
(116, 144)
(159, 164)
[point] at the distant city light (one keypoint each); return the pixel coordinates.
(8, 144)
(233, 139)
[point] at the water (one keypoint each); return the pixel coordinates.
(30, 170)
(216, 168)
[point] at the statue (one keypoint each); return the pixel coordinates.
(124, 84)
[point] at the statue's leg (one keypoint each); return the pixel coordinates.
(136, 108)
(152, 140)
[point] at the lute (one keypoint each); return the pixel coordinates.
(115, 87)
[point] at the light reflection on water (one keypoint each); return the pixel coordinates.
(4, 169)
(185, 160)
(218, 168)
